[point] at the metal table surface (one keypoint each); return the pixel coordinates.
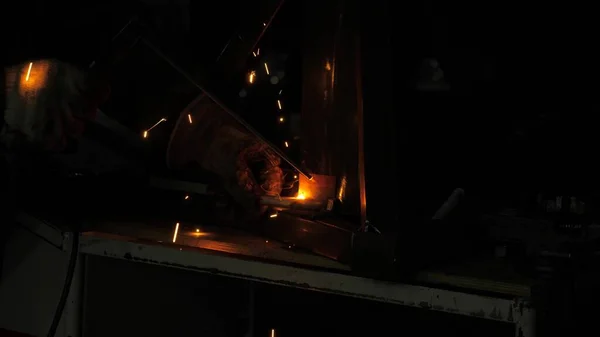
(235, 254)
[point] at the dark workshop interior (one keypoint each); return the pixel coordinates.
(298, 168)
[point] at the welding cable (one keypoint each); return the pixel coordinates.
(67, 286)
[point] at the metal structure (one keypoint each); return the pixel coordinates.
(334, 279)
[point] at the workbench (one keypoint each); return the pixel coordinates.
(234, 254)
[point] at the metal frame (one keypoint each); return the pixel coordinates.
(515, 311)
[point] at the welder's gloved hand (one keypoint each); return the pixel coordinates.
(248, 169)
(48, 103)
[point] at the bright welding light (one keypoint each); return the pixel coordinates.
(281, 119)
(176, 231)
(146, 134)
(272, 332)
(28, 71)
(301, 196)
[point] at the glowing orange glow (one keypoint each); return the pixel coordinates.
(320, 188)
(32, 79)
(286, 144)
(175, 232)
(198, 233)
(279, 104)
(342, 190)
(295, 176)
(272, 332)
(266, 68)
(273, 215)
(328, 66)
(190, 118)
(281, 119)
(186, 197)
(251, 76)
(153, 126)
(28, 71)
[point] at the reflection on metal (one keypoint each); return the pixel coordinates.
(361, 137)
(331, 95)
(320, 188)
(342, 190)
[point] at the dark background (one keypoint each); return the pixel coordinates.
(519, 116)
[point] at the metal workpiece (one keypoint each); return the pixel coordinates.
(514, 311)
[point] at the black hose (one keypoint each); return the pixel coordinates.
(67, 286)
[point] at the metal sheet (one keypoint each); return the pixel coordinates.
(329, 103)
(380, 92)
(515, 311)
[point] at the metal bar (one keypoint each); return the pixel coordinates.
(43, 230)
(268, 24)
(513, 311)
(230, 112)
(361, 136)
